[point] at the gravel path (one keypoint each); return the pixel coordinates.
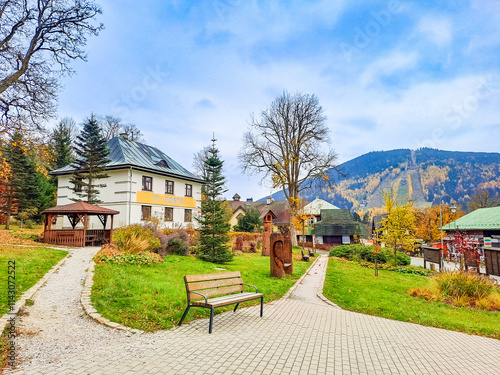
(56, 324)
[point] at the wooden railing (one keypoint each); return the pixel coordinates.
(76, 238)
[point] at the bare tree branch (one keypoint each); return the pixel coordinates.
(38, 41)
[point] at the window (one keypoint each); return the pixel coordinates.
(147, 183)
(78, 184)
(189, 190)
(169, 214)
(169, 187)
(145, 212)
(188, 216)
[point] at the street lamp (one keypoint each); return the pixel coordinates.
(453, 208)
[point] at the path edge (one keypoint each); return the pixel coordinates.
(320, 293)
(89, 308)
(31, 291)
(297, 283)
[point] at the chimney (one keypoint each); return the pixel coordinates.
(269, 200)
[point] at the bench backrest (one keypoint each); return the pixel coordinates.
(213, 284)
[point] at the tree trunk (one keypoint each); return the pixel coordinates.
(293, 235)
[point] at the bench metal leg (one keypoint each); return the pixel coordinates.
(261, 306)
(235, 307)
(211, 320)
(184, 315)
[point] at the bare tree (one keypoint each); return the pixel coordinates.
(134, 134)
(482, 199)
(287, 144)
(38, 40)
(199, 161)
(110, 126)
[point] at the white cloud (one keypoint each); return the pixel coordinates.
(437, 30)
(395, 63)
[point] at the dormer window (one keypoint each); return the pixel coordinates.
(162, 163)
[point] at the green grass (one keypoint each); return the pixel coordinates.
(355, 288)
(31, 264)
(152, 297)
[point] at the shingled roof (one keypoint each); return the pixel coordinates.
(336, 222)
(480, 219)
(125, 153)
(80, 208)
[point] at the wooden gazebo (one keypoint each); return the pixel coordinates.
(76, 213)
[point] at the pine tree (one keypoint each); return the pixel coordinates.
(60, 143)
(214, 226)
(22, 190)
(92, 151)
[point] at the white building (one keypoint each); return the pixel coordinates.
(143, 182)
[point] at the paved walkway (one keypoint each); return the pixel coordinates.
(300, 334)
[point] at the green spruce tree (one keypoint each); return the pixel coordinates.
(92, 151)
(60, 146)
(214, 226)
(22, 189)
(251, 222)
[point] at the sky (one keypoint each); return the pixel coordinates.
(388, 74)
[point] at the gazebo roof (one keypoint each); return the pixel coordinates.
(80, 208)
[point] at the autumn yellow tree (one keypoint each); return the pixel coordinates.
(428, 221)
(398, 227)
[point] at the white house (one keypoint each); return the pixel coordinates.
(143, 182)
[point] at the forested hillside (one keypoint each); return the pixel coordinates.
(423, 176)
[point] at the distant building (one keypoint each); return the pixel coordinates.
(477, 225)
(336, 227)
(279, 208)
(143, 182)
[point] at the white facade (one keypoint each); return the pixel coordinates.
(124, 192)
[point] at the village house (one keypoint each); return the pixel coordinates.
(143, 182)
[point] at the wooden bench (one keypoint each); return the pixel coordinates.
(305, 257)
(226, 287)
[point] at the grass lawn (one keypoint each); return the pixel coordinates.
(152, 297)
(31, 264)
(355, 288)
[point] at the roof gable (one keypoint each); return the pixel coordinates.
(125, 153)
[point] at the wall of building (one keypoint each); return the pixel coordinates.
(123, 193)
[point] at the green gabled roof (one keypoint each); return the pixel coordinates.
(125, 154)
(336, 222)
(480, 219)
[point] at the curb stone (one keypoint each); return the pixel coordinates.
(31, 291)
(89, 308)
(320, 293)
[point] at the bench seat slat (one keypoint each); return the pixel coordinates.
(217, 292)
(211, 276)
(228, 300)
(213, 284)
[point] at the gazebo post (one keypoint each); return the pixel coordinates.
(111, 229)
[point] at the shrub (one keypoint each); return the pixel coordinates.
(403, 259)
(360, 253)
(463, 284)
(109, 254)
(135, 238)
(178, 243)
(424, 293)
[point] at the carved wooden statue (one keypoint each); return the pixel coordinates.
(281, 254)
(268, 230)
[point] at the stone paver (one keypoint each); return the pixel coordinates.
(297, 335)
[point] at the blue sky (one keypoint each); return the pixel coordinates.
(389, 74)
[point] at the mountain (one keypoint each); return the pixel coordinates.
(425, 176)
